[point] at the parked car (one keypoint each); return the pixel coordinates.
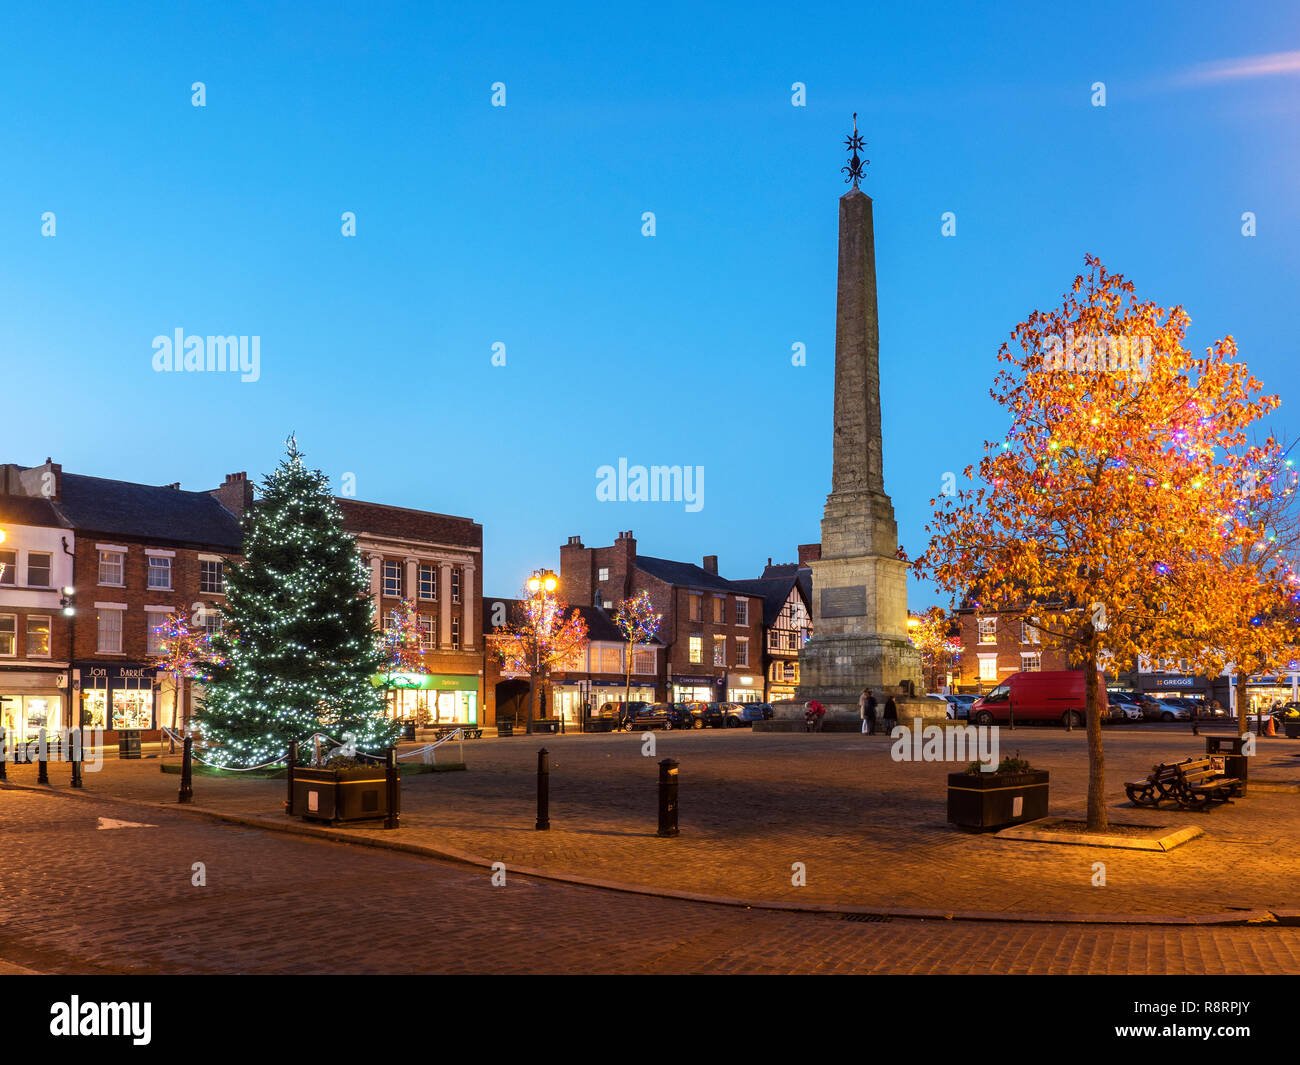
(705, 715)
(658, 715)
(959, 706)
(1166, 709)
(1052, 695)
(618, 711)
(1124, 706)
(766, 713)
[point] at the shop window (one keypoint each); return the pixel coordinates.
(8, 635)
(696, 647)
(133, 704)
(111, 565)
(38, 636)
(393, 580)
(742, 651)
(212, 577)
(38, 569)
(110, 631)
(429, 583)
(160, 572)
(742, 611)
(719, 650)
(8, 567)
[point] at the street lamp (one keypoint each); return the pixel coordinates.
(541, 584)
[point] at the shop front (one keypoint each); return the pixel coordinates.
(31, 700)
(1160, 685)
(1263, 693)
(744, 688)
(568, 696)
(688, 689)
(117, 697)
(431, 698)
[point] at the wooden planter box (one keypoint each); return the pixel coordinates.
(996, 800)
(357, 793)
(1291, 726)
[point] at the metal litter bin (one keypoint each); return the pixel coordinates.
(1229, 750)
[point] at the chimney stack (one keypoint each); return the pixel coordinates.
(236, 494)
(711, 564)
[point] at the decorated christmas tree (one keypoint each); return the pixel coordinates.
(298, 645)
(403, 649)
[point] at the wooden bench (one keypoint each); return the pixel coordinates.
(1193, 783)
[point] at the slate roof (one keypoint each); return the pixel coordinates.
(683, 574)
(29, 510)
(100, 505)
(600, 623)
(774, 591)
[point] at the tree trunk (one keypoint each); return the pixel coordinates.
(1096, 763)
(627, 688)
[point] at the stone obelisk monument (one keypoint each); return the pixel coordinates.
(860, 585)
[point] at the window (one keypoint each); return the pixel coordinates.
(110, 631)
(455, 584)
(428, 631)
(719, 650)
(8, 635)
(393, 580)
(988, 630)
(742, 611)
(210, 619)
(38, 569)
(611, 659)
(1031, 662)
(1028, 633)
(696, 647)
(742, 650)
(110, 568)
(212, 577)
(154, 619)
(429, 583)
(643, 660)
(455, 634)
(8, 567)
(160, 572)
(697, 607)
(602, 574)
(989, 669)
(719, 610)
(38, 636)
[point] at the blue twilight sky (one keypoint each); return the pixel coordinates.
(522, 225)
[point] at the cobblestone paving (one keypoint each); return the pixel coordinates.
(76, 897)
(870, 831)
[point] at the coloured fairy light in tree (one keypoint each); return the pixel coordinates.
(540, 635)
(637, 621)
(298, 638)
(403, 641)
(185, 651)
(1104, 512)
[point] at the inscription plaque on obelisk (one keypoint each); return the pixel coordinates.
(859, 585)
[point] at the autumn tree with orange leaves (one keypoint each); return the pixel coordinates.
(1107, 509)
(538, 637)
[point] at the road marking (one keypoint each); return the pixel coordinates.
(108, 822)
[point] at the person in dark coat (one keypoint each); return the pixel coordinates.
(891, 714)
(867, 710)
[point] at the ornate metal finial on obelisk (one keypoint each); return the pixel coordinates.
(854, 144)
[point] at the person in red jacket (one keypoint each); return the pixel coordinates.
(813, 715)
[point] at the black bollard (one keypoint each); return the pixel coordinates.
(4, 754)
(1011, 717)
(394, 792)
(543, 792)
(42, 765)
(668, 797)
(291, 761)
(187, 779)
(74, 749)
(1069, 721)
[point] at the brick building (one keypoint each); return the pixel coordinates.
(132, 553)
(786, 592)
(712, 628)
(577, 688)
(436, 561)
(996, 644)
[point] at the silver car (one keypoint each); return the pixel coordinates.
(1166, 710)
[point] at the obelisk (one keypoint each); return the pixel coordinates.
(860, 584)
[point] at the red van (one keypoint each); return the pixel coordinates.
(1051, 696)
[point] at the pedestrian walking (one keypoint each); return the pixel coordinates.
(891, 714)
(867, 711)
